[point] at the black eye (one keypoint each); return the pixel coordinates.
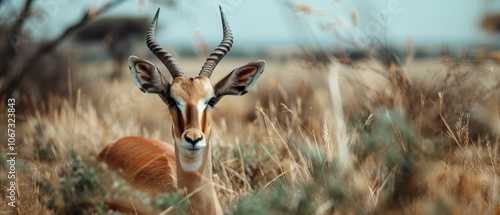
(171, 102)
(213, 101)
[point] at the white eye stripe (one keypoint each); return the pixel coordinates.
(178, 100)
(180, 104)
(202, 104)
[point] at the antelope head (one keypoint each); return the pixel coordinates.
(190, 99)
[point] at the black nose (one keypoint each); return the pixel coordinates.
(193, 142)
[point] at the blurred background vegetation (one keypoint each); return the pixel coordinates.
(386, 107)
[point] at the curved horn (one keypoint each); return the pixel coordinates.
(162, 54)
(220, 51)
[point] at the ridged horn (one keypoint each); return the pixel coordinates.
(221, 50)
(162, 54)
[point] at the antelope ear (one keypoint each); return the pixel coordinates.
(240, 80)
(146, 76)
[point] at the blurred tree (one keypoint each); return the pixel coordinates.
(118, 33)
(491, 23)
(10, 48)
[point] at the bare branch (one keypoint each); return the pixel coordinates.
(18, 24)
(9, 52)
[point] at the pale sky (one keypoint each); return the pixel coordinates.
(273, 22)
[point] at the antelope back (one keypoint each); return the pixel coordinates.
(147, 164)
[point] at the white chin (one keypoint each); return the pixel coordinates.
(190, 153)
(190, 160)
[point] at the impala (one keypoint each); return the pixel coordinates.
(158, 167)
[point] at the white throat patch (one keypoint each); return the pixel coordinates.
(190, 165)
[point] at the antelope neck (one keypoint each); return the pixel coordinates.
(198, 184)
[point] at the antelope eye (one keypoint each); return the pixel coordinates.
(171, 102)
(213, 101)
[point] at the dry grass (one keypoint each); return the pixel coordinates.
(408, 144)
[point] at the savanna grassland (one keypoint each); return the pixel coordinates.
(417, 136)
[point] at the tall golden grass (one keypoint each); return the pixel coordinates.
(405, 142)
